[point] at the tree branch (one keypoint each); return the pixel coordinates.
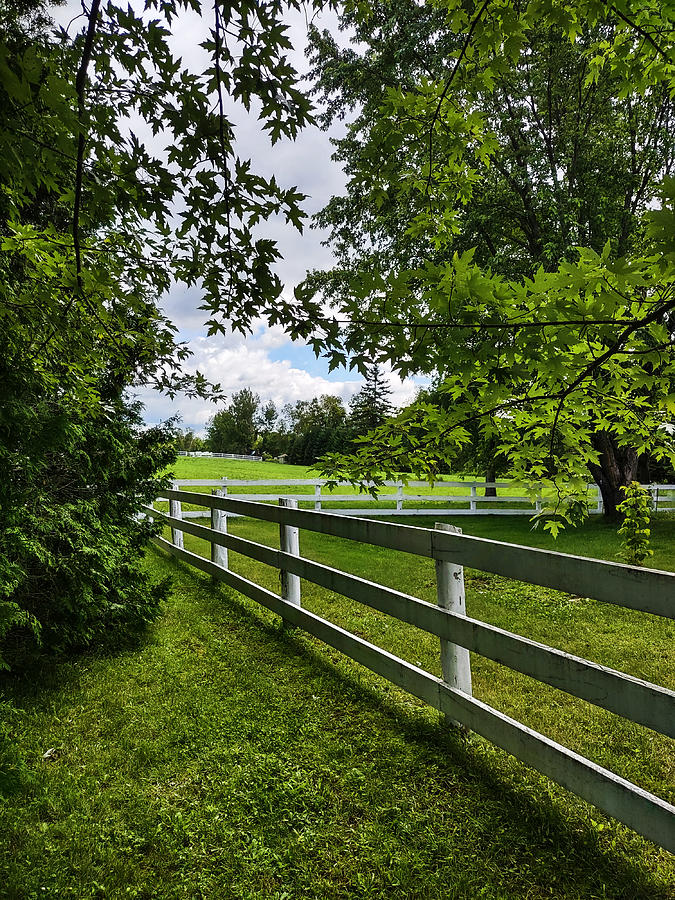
(80, 84)
(448, 84)
(496, 326)
(641, 32)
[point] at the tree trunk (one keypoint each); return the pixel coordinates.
(616, 468)
(490, 475)
(643, 474)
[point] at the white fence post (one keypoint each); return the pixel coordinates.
(289, 541)
(399, 496)
(317, 497)
(473, 506)
(176, 512)
(219, 523)
(455, 660)
(599, 508)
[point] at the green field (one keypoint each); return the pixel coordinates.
(208, 468)
(213, 468)
(225, 757)
(636, 643)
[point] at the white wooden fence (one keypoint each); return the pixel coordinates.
(647, 590)
(218, 455)
(473, 503)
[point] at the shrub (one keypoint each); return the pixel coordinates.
(635, 531)
(71, 538)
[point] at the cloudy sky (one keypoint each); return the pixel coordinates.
(266, 361)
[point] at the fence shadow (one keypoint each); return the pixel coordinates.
(539, 826)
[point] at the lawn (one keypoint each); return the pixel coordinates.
(208, 468)
(634, 642)
(216, 467)
(224, 757)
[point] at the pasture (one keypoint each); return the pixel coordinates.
(431, 494)
(227, 757)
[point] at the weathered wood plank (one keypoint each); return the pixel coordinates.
(451, 596)
(219, 523)
(642, 811)
(289, 541)
(416, 513)
(176, 514)
(633, 698)
(367, 511)
(648, 590)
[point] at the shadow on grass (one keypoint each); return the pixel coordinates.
(35, 674)
(34, 681)
(462, 806)
(518, 825)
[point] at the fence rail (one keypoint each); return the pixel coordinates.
(647, 590)
(208, 454)
(663, 497)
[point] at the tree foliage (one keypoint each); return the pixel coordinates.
(635, 531)
(559, 331)
(235, 428)
(317, 427)
(371, 405)
(119, 176)
(303, 431)
(187, 440)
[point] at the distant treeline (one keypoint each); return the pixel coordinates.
(302, 432)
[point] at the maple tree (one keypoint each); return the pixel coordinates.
(560, 352)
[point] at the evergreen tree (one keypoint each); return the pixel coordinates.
(371, 405)
(76, 464)
(95, 226)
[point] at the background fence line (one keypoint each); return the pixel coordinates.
(663, 497)
(644, 589)
(208, 454)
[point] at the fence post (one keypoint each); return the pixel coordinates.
(219, 523)
(473, 506)
(176, 512)
(597, 487)
(455, 660)
(399, 496)
(317, 497)
(289, 542)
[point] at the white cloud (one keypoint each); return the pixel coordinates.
(236, 362)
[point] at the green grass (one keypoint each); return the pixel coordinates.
(214, 467)
(209, 468)
(225, 758)
(634, 642)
